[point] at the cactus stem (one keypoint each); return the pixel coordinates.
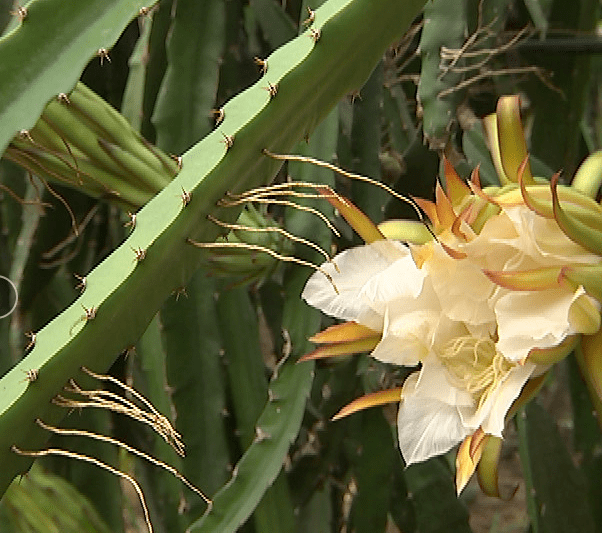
(94, 461)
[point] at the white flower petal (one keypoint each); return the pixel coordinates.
(369, 276)
(409, 327)
(462, 288)
(433, 383)
(537, 319)
(543, 240)
(502, 399)
(426, 427)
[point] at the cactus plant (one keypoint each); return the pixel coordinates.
(218, 358)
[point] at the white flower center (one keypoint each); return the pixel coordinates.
(475, 365)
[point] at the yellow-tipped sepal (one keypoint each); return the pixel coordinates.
(468, 457)
(370, 400)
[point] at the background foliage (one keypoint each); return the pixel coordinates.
(209, 360)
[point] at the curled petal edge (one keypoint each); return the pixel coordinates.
(550, 356)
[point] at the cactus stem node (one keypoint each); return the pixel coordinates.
(140, 254)
(131, 222)
(272, 89)
(31, 375)
(310, 19)
(32, 340)
(228, 140)
(186, 197)
(262, 64)
(103, 54)
(83, 281)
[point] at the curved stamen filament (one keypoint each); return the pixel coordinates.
(92, 460)
(288, 203)
(110, 440)
(351, 175)
(275, 229)
(269, 251)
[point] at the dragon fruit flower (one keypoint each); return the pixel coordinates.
(505, 283)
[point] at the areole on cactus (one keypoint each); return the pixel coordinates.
(508, 284)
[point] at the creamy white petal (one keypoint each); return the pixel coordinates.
(508, 391)
(533, 319)
(462, 288)
(542, 239)
(409, 327)
(369, 276)
(357, 266)
(404, 348)
(434, 383)
(426, 427)
(492, 413)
